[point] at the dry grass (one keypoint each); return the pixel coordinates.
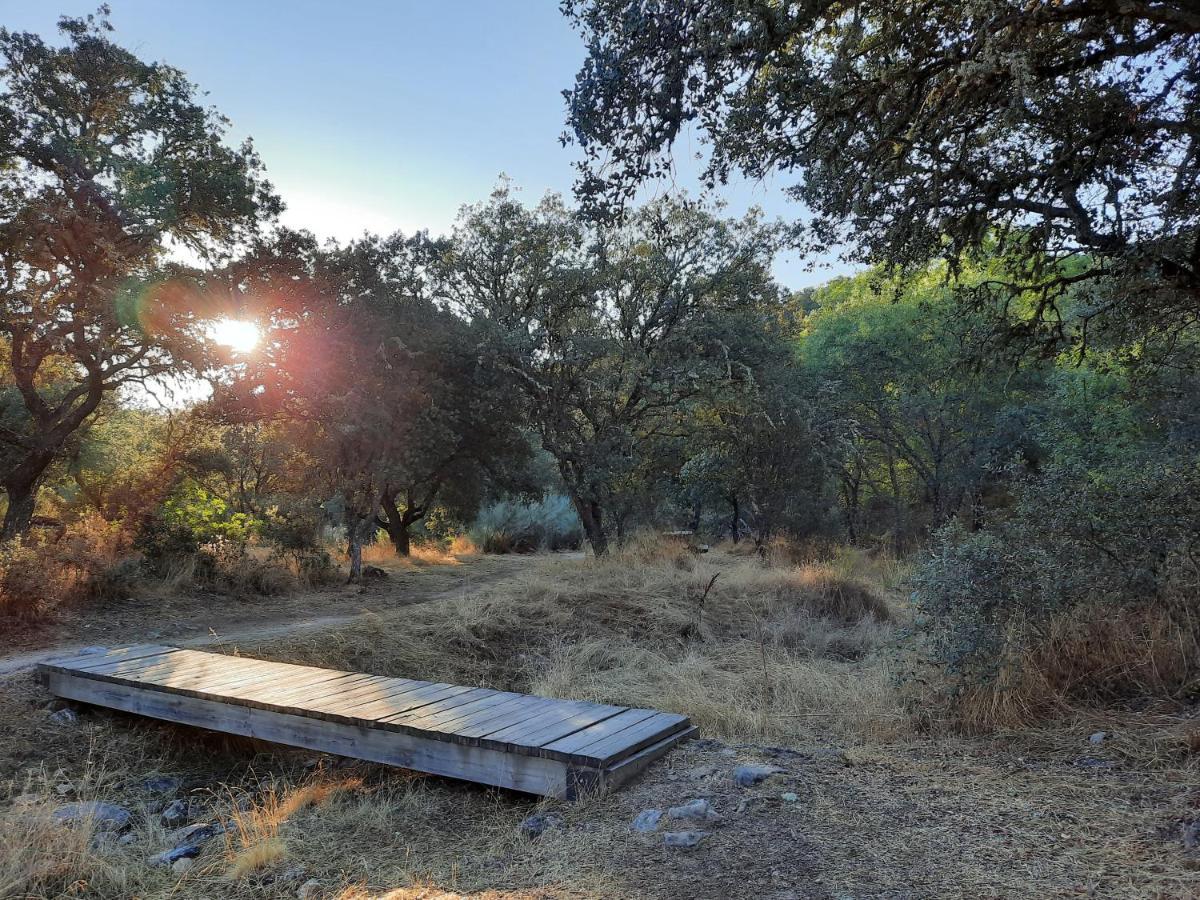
(1087, 658)
(759, 653)
(792, 655)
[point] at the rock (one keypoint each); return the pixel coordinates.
(127, 839)
(309, 889)
(292, 873)
(729, 753)
(161, 784)
(56, 704)
(182, 866)
(1191, 835)
(373, 573)
(172, 856)
(694, 811)
(788, 797)
(683, 840)
(65, 716)
(106, 816)
(1098, 737)
(176, 813)
(646, 820)
(747, 776)
(539, 823)
(197, 833)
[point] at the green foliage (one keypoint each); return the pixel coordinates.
(1108, 521)
(513, 526)
(105, 162)
(931, 130)
(192, 519)
(611, 337)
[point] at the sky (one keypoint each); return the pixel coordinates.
(383, 116)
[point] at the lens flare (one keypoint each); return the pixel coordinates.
(238, 335)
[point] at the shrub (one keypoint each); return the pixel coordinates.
(510, 526)
(88, 560)
(1083, 547)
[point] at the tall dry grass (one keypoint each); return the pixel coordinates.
(1090, 658)
(748, 650)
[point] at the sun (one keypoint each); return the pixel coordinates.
(238, 335)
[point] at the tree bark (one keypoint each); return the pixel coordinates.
(21, 488)
(360, 525)
(592, 516)
(21, 501)
(397, 523)
(735, 522)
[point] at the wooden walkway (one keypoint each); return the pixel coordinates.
(557, 748)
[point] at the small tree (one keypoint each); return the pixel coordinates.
(105, 160)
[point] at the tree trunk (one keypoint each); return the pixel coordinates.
(735, 523)
(694, 524)
(360, 525)
(21, 488)
(354, 551)
(592, 517)
(21, 501)
(397, 523)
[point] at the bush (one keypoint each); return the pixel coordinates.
(87, 560)
(510, 526)
(1082, 547)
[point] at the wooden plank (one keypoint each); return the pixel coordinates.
(415, 718)
(216, 679)
(379, 697)
(435, 714)
(303, 695)
(226, 683)
(279, 693)
(376, 688)
(556, 724)
(582, 734)
(377, 711)
(99, 655)
(620, 772)
(629, 740)
(537, 706)
(109, 666)
(522, 773)
(175, 667)
(522, 704)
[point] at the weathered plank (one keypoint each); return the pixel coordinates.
(530, 774)
(567, 746)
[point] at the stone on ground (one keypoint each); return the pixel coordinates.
(683, 840)
(749, 775)
(106, 816)
(694, 811)
(647, 820)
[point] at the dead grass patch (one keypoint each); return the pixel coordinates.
(761, 652)
(1089, 658)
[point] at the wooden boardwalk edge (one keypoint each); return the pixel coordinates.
(610, 763)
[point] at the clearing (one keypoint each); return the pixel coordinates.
(790, 667)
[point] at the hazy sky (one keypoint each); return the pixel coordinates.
(379, 116)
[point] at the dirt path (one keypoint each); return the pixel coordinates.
(219, 621)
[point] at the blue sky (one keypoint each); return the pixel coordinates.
(379, 116)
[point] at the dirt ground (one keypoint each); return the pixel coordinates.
(216, 619)
(1052, 812)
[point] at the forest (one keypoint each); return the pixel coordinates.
(985, 441)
